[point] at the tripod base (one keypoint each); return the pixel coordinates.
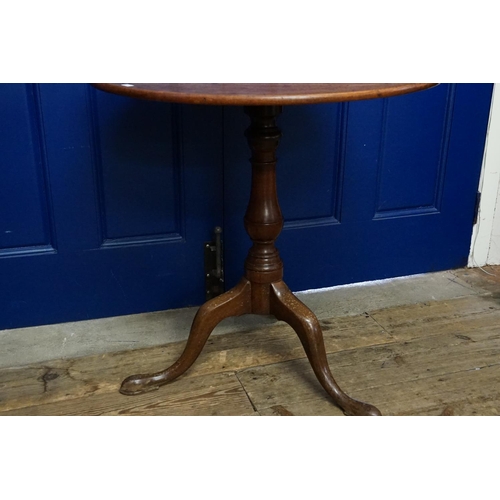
(283, 304)
(262, 290)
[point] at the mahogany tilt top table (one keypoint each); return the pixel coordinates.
(262, 289)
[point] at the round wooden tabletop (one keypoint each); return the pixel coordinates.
(253, 94)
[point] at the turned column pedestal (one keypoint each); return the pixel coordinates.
(262, 289)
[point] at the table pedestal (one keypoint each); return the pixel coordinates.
(262, 289)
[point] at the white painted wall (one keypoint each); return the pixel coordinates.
(485, 244)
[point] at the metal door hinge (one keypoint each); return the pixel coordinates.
(214, 273)
(476, 208)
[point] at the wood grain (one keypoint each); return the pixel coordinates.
(214, 395)
(425, 374)
(485, 280)
(460, 316)
(437, 358)
(61, 380)
(251, 94)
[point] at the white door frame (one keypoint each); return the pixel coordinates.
(485, 243)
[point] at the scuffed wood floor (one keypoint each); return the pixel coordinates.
(434, 358)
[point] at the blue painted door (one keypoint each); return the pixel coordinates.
(104, 203)
(370, 189)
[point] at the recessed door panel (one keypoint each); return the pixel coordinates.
(368, 189)
(119, 194)
(25, 207)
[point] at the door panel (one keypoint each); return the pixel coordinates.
(317, 147)
(105, 203)
(413, 144)
(25, 205)
(139, 179)
(370, 189)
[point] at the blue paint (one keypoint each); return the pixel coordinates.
(24, 205)
(376, 189)
(105, 202)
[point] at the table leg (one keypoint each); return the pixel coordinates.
(286, 307)
(262, 290)
(235, 302)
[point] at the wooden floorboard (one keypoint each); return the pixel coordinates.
(485, 280)
(402, 378)
(62, 380)
(433, 358)
(213, 395)
(457, 316)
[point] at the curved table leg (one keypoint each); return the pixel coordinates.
(234, 302)
(286, 307)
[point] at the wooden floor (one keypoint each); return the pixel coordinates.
(434, 358)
